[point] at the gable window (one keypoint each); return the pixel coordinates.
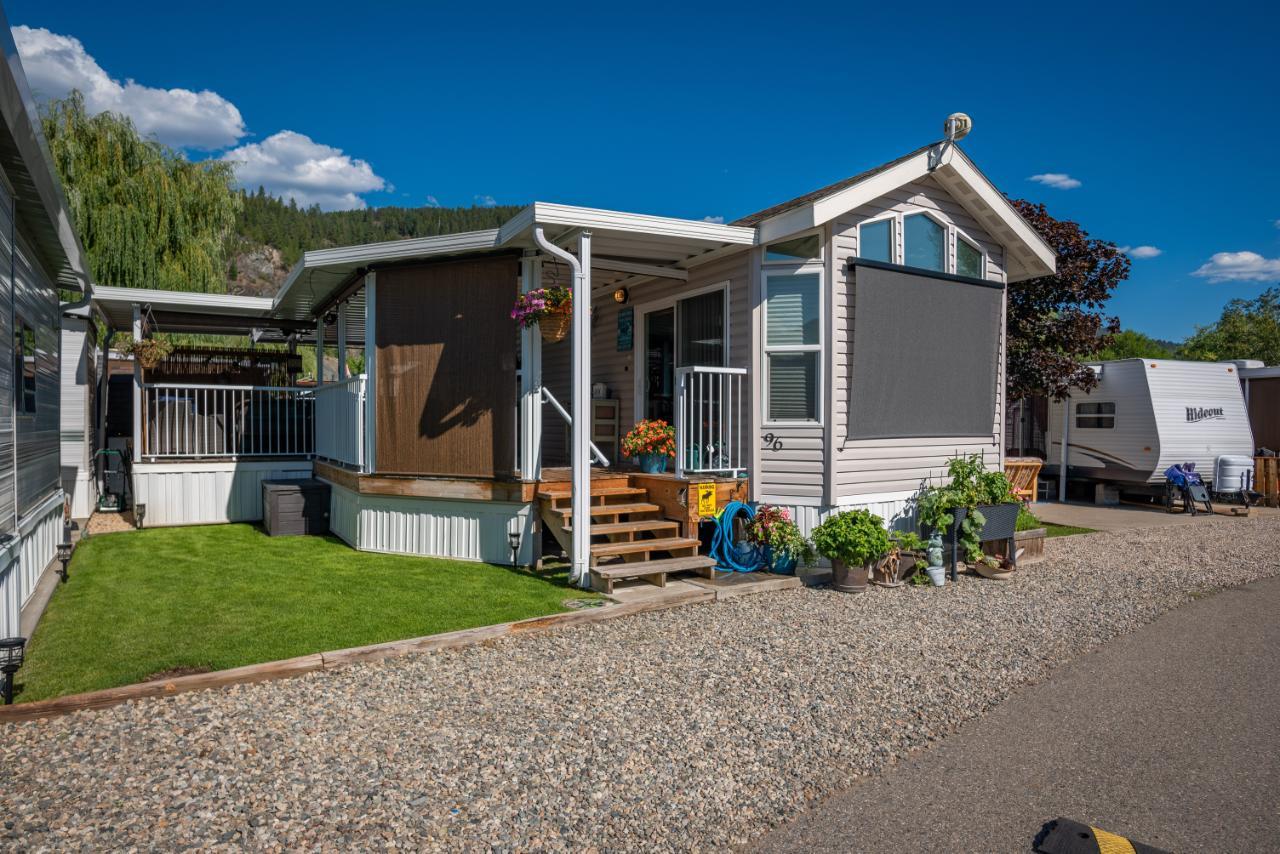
(968, 259)
(796, 250)
(24, 369)
(924, 243)
(793, 345)
(1096, 415)
(875, 240)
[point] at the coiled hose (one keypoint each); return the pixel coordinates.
(731, 556)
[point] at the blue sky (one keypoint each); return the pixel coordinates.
(1167, 119)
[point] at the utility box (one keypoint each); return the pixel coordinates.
(293, 507)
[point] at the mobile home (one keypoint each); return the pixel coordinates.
(39, 253)
(828, 352)
(1261, 385)
(1146, 415)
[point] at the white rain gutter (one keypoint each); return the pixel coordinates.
(579, 454)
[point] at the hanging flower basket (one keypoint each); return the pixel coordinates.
(150, 352)
(555, 327)
(551, 309)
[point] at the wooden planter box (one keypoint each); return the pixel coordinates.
(1031, 542)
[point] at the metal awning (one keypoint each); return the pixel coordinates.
(183, 311)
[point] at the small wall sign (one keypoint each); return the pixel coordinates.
(626, 329)
(707, 505)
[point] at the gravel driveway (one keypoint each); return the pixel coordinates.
(693, 728)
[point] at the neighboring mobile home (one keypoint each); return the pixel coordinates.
(1262, 395)
(39, 253)
(829, 352)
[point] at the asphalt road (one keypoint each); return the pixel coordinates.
(1170, 736)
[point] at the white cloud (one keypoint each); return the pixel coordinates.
(1141, 252)
(718, 220)
(1057, 180)
(1240, 267)
(292, 166)
(55, 64)
(432, 202)
(486, 201)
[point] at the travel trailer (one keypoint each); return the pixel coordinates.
(39, 253)
(1146, 415)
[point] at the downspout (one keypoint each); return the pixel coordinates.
(1066, 436)
(580, 404)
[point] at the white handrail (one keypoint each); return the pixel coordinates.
(339, 421)
(548, 397)
(204, 421)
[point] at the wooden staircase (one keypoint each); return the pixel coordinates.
(629, 537)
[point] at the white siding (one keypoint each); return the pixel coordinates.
(878, 466)
(207, 493)
(429, 527)
(78, 375)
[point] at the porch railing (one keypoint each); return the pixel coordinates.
(340, 422)
(711, 421)
(219, 421)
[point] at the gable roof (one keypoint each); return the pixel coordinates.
(1027, 254)
(821, 193)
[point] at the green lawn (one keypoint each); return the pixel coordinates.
(146, 602)
(1064, 530)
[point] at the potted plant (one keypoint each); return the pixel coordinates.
(779, 539)
(653, 443)
(974, 507)
(854, 541)
(149, 352)
(550, 309)
(905, 559)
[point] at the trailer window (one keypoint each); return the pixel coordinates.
(24, 369)
(1096, 415)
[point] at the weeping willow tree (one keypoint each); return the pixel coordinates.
(149, 218)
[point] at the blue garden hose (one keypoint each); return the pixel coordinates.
(731, 556)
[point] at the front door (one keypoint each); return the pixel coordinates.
(660, 364)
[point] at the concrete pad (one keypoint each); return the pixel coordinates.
(1127, 517)
(730, 584)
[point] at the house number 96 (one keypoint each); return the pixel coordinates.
(772, 442)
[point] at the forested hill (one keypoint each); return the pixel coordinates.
(271, 234)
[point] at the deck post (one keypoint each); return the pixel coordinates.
(581, 457)
(137, 387)
(530, 378)
(342, 342)
(370, 373)
(1066, 435)
(320, 351)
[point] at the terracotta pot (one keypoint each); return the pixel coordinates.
(850, 579)
(555, 327)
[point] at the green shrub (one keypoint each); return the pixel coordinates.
(1027, 520)
(853, 537)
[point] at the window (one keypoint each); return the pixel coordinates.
(1096, 415)
(924, 243)
(968, 259)
(24, 369)
(793, 345)
(875, 240)
(797, 249)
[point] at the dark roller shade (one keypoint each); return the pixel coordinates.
(925, 352)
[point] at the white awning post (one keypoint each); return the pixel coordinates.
(320, 350)
(342, 342)
(370, 372)
(137, 388)
(582, 413)
(1066, 435)
(579, 452)
(530, 378)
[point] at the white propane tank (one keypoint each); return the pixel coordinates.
(1232, 474)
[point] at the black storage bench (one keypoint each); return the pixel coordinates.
(292, 507)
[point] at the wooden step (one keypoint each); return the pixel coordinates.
(635, 547)
(556, 491)
(653, 571)
(639, 526)
(612, 509)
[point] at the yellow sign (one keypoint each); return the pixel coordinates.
(707, 499)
